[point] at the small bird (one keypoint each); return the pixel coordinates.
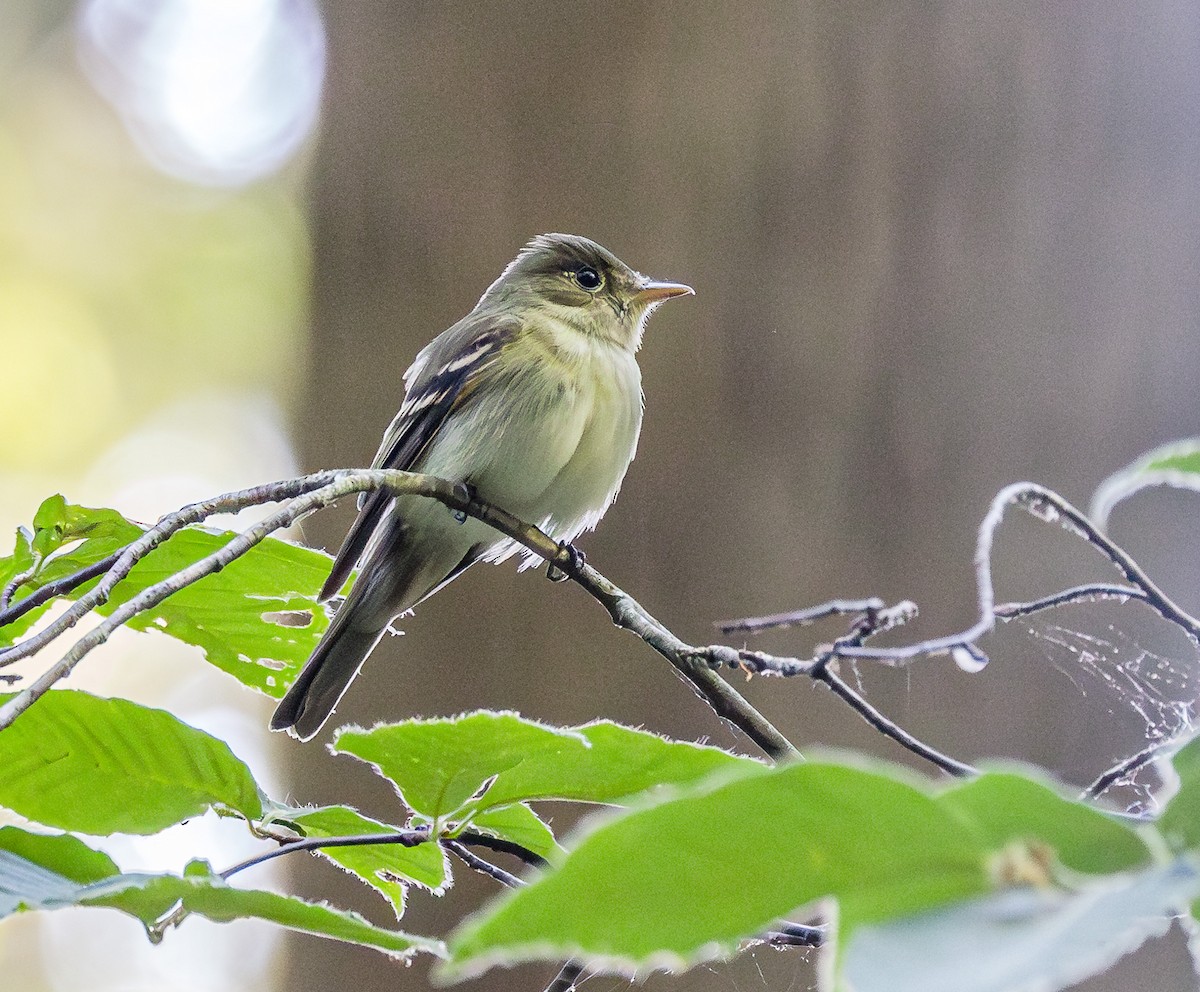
(534, 400)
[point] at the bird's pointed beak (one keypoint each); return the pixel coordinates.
(650, 291)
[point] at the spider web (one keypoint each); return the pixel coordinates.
(1135, 689)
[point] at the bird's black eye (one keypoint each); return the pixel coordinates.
(588, 278)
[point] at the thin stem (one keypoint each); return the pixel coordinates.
(796, 935)
(476, 863)
(15, 583)
(59, 587)
(1125, 768)
(566, 979)
(889, 729)
(1077, 594)
(405, 838)
(502, 846)
(800, 618)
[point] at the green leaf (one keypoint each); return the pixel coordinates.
(36, 870)
(238, 617)
(1176, 464)
(18, 563)
(61, 853)
(519, 824)
(27, 885)
(684, 880)
(258, 619)
(65, 539)
(1180, 821)
(58, 522)
(387, 868)
(100, 766)
(438, 766)
(1021, 938)
(150, 897)
(1003, 808)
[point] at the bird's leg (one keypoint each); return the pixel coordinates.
(576, 559)
(468, 493)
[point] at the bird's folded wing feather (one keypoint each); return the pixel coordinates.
(440, 382)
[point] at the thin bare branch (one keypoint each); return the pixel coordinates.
(887, 727)
(499, 844)
(1119, 772)
(405, 838)
(476, 863)
(796, 935)
(1047, 505)
(800, 618)
(60, 587)
(15, 583)
(1077, 594)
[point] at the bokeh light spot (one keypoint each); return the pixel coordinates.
(220, 92)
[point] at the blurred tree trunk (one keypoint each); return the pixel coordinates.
(936, 247)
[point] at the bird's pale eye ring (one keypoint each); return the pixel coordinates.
(588, 278)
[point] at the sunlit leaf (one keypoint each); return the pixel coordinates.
(99, 766)
(687, 879)
(28, 884)
(65, 539)
(1176, 464)
(519, 824)
(37, 870)
(1019, 940)
(439, 765)
(258, 619)
(61, 853)
(1004, 808)
(1180, 821)
(388, 868)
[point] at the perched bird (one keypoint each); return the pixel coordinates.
(534, 399)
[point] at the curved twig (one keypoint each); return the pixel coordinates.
(1049, 506)
(405, 838)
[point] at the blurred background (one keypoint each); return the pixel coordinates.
(937, 248)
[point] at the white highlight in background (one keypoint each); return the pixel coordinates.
(219, 92)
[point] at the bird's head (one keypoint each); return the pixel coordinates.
(584, 284)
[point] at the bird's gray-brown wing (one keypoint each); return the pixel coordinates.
(442, 379)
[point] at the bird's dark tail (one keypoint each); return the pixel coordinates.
(328, 674)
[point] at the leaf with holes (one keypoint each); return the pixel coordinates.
(258, 619)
